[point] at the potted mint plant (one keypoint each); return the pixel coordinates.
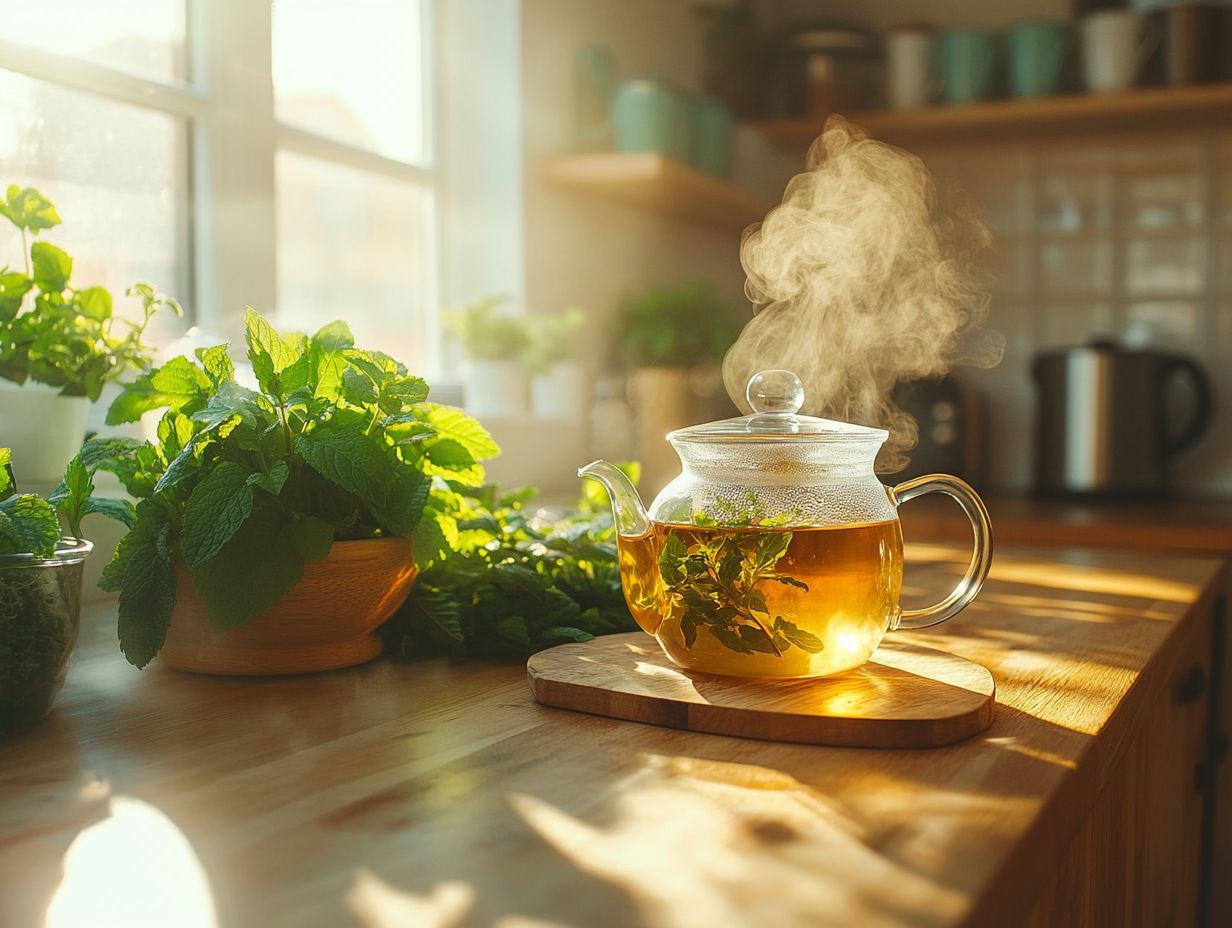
(277, 528)
(494, 343)
(40, 586)
(59, 344)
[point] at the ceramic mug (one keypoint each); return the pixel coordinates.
(966, 64)
(713, 131)
(649, 114)
(1037, 53)
(1113, 48)
(909, 73)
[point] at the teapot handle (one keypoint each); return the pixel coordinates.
(981, 556)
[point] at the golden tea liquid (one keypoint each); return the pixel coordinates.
(765, 602)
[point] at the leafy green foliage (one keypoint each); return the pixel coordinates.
(64, 337)
(715, 580)
(674, 327)
(244, 487)
(516, 583)
(31, 525)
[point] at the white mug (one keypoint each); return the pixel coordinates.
(909, 72)
(1113, 48)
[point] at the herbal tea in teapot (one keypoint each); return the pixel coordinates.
(777, 602)
(776, 552)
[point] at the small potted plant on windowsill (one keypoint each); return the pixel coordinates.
(58, 344)
(558, 387)
(494, 343)
(276, 527)
(666, 338)
(40, 587)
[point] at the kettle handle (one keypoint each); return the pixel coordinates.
(981, 555)
(1204, 409)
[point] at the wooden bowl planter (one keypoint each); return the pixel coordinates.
(326, 621)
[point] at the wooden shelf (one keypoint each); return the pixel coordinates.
(1088, 114)
(654, 182)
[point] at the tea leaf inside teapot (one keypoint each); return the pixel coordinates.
(712, 578)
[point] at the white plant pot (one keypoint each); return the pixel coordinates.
(45, 430)
(497, 389)
(562, 392)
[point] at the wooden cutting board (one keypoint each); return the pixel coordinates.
(905, 696)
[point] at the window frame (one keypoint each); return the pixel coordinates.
(228, 105)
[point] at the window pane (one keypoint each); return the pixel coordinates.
(142, 37)
(352, 71)
(354, 246)
(118, 176)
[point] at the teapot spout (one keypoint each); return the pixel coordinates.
(628, 513)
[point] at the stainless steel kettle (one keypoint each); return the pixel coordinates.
(1104, 424)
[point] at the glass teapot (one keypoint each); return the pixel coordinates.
(777, 552)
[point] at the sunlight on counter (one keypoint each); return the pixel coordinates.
(133, 869)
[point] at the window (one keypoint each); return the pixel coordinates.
(236, 152)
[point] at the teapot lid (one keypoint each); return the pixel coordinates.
(775, 398)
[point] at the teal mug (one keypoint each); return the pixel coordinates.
(966, 62)
(714, 128)
(1038, 50)
(649, 114)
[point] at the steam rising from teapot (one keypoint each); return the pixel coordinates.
(862, 280)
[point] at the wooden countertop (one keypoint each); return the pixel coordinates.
(1193, 526)
(439, 794)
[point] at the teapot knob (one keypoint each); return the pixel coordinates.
(777, 393)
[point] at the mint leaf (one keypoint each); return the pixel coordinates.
(274, 481)
(279, 365)
(28, 525)
(72, 495)
(142, 573)
(358, 389)
(119, 509)
(94, 303)
(52, 267)
(670, 557)
(215, 511)
(326, 361)
(14, 286)
(346, 456)
(452, 423)
(252, 571)
(217, 363)
(28, 209)
(312, 537)
(136, 463)
(177, 385)
(805, 640)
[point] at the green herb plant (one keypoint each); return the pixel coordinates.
(676, 326)
(64, 336)
(716, 579)
(244, 487)
(487, 334)
(519, 581)
(30, 524)
(552, 339)
(40, 602)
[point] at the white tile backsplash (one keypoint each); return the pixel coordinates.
(1128, 238)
